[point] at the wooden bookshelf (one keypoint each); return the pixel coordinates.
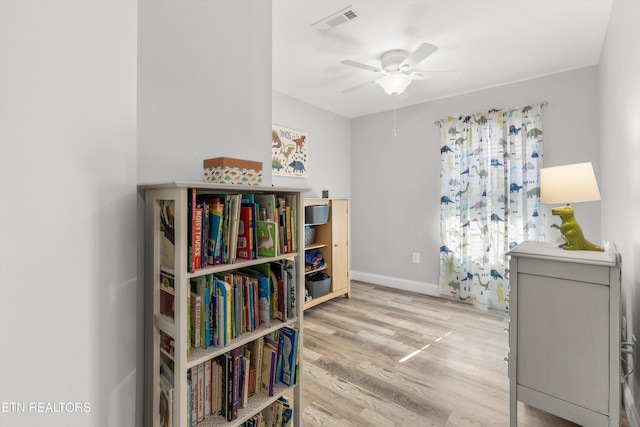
(332, 240)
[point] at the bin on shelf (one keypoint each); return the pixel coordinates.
(318, 284)
(316, 214)
(309, 234)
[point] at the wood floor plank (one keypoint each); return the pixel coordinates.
(393, 358)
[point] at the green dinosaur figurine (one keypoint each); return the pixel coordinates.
(571, 231)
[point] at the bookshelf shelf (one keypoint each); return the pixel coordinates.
(315, 270)
(258, 403)
(315, 246)
(332, 240)
(169, 254)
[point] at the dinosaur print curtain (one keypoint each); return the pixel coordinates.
(490, 168)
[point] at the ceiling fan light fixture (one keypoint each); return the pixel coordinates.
(394, 84)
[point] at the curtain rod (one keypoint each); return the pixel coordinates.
(541, 104)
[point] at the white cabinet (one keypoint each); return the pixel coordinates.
(167, 205)
(564, 333)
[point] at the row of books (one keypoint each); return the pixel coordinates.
(278, 414)
(225, 305)
(227, 227)
(222, 386)
(167, 385)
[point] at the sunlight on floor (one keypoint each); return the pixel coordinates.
(410, 355)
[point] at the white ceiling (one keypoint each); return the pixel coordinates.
(492, 42)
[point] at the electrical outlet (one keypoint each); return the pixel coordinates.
(416, 258)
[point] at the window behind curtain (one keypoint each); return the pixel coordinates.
(490, 202)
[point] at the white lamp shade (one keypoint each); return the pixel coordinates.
(394, 84)
(568, 184)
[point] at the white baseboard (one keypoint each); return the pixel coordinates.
(397, 283)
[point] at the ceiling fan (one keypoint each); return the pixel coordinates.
(396, 67)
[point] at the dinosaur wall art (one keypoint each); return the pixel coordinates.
(288, 152)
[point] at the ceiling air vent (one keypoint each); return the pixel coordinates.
(345, 15)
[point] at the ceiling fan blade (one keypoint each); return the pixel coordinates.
(360, 86)
(436, 75)
(419, 55)
(361, 65)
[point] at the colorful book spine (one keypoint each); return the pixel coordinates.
(289, 355)
(264, 302)
(195, 319)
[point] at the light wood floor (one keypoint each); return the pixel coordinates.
(394, 358)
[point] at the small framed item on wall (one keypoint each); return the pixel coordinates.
(288, 152)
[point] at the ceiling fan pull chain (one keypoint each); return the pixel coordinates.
(394, 115)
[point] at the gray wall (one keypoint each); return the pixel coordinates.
(204, 85)
(620, 152)
(328, 147)
(395, 181)
(68, 289)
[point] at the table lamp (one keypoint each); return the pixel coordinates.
(569, 184)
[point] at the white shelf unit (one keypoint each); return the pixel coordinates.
(177, 328)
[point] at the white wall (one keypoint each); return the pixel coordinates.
(395, 181)
(204, 86)
(328, 147)
(67, 213)
(620, 151)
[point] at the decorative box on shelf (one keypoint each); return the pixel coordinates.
(225, 170)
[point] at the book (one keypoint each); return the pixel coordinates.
(234, 224)
(279, 361)
(196, 397)
(252, 381)
(246, 377)
(282, 225)
(214, 241)
(195, 321)
(167, 294)
(166, 369)
(236, 390)
(289, 355)
(196, 253)
(267, 237)
(215, 387)
(166, 403)
(256, 348)
(293, 225)
(219, 387)
(223, 291)
(167, 228)
(266, 207)
(288, 215)
(264, 302)
(226, 361)
(290, 278)
(269, 366)
(200, 368)
(243, 251)
(194, 232)
(202, 287)
(207, 389)
(280, 294)
(190, 414)
(167, 343)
